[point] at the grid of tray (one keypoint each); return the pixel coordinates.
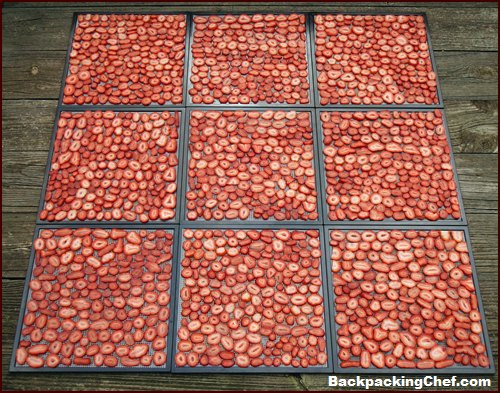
(316, 162)
(36, 262)
(440, 102)
(180, 158)
(180, 223)
(309, 59)
(462, 221)
(454, 369)
(324, 291)
(129, 107)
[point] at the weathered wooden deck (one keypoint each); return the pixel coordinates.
(35, 37)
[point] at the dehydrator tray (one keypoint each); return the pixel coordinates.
(439, 103)
(221, 232)
(53, 155)
(315, 164)
(487, 356)
(42, 269)
(107, 105)
(417, 221)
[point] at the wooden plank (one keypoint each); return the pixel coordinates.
(18, 230)
(471, 75)
(17, 235)
(473, 125)
(483, 229)
(23, 176)
(11, 301)
(463, 75)
(27, 124)
(36, 76)
(245, 5)
(465, 29)
(150, 381)
(478, 177)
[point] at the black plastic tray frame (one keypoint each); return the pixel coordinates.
(257, 221)
(439, 93)
(262, 369)
(153, 107)
(395, 370)
(363, 223)
(260, 104)
(13, 367)
(48, 167)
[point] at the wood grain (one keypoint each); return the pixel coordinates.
(245, 5)
(36, 76)
(473, 126)
(471, 75)
(27, 124)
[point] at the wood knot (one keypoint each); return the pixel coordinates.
(34, 70)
